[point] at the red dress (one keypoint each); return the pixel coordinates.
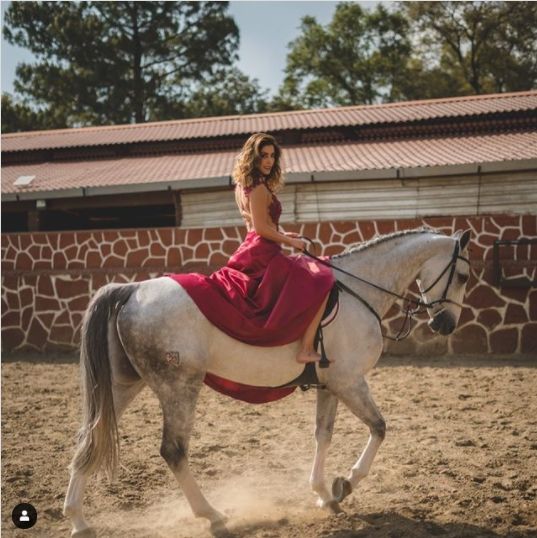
(261, 296)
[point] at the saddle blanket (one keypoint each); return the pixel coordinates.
(247, 393)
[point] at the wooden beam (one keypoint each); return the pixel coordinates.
(18, 207)
(178, 208)
(90, 202)
(116, 200)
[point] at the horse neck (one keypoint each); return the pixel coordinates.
(392, 264)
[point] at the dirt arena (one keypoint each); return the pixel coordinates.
(459, 459)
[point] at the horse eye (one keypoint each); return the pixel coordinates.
(462, 277)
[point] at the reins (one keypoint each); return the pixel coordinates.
(409, 312)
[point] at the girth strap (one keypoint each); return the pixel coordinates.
(307, 379)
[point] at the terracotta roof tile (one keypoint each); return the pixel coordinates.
(271, 122)
(356, 156)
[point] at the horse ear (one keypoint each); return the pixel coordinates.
(465, 238)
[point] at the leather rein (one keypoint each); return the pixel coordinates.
(409, 312)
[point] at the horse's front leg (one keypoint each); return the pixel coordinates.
(324, 427)
(358, 399)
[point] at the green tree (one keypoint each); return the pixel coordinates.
(358, 58)
(17, 116)
(482, 47)
(229, 92)
(121, 62)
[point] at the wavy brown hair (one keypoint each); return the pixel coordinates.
(246, 172)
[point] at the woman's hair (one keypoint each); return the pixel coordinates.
(246, 173)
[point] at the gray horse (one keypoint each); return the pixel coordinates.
(151, 333)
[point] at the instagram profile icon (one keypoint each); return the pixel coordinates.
(24, 516)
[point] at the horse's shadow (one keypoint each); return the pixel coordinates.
(374, 525)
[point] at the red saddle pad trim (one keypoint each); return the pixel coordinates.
(246, 393)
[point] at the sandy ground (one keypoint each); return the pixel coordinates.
(459, 459)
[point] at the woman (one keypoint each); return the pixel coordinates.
(263, 297)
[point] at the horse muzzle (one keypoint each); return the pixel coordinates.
(443, 323)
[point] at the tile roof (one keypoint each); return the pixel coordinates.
(242, 125)
(343, 157)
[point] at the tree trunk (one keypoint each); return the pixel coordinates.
(138, 89)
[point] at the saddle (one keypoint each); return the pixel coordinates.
(306, 380)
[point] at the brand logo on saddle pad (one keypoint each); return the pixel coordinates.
(173, 358)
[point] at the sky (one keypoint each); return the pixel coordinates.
(266, 28)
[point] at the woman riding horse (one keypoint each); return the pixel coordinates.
(263, 297)
(246, 324)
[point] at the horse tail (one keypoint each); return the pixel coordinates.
(98, 439)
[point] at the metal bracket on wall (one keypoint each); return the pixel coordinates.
(515, 282)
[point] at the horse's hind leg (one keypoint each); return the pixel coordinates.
(324, 427)
(123, 395)
(126, 384)
(178, 398)
(358, 399)
(72, 507)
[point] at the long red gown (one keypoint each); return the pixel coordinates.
(261, 296)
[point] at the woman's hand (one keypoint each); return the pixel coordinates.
(297, 243)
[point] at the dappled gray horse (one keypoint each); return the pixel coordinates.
(151, 333)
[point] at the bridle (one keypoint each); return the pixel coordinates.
(451, 266)
(409, 312)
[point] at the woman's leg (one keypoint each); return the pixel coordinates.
(307, 353)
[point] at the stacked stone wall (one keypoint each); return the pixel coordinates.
(48, 278)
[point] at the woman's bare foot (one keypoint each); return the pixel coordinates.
(307, 356)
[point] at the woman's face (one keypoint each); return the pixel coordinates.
(266, 160)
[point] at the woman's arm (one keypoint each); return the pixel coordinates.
(260, 200)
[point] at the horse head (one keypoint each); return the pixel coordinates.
(442, 283)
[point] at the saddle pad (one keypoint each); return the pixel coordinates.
(252, 394)
(247, 393)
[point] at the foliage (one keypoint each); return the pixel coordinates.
(483, 46)
(230, 92)
(416, 50)
(17, 116)
(122, 62)
(357, 58)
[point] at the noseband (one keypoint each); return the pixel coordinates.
(409, 312)
(451, 266)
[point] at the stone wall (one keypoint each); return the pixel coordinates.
(48, 278)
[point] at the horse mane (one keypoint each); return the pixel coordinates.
(383, 238)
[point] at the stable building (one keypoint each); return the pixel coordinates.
(83, 207)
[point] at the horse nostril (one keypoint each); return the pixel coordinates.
(450, 325)
(443, 323)
(434, 324)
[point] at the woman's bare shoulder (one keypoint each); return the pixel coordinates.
(258, 192)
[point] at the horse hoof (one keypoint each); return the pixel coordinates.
(219, 529)
(334, 507)
(341, 487)
(85, 533)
